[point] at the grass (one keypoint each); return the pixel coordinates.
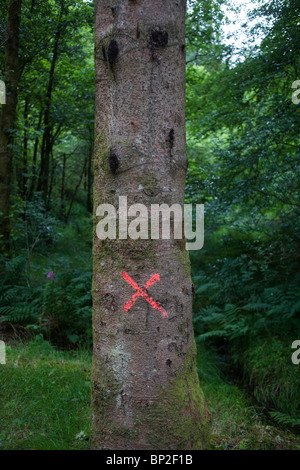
(45, 397)
(237, 422)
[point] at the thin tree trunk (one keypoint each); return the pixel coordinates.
(145, 387)
(75, 190)
(46, 142)
(62, 191)
(25, 149)
(52, 178)
(34, 158)
(8, 116)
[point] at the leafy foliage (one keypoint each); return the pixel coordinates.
(55, 304)
(243, 147)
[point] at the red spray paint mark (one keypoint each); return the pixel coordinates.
(141, 292)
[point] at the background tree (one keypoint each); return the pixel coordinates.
(38, 223)
(8, 114)
(243, 146)
(146, 393)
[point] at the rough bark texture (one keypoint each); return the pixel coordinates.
(146, 393)
(8, 114)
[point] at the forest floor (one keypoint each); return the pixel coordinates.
(239, 424)
(45, 398)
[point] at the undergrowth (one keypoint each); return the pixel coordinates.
(45, 397)
(237, 422)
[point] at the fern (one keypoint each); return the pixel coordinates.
(285, 419)
(209, 335)
(60, 309)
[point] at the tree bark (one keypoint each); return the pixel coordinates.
(8, 115)
(145, 387)
(89, 204)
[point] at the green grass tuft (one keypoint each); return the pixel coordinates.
(45, 398)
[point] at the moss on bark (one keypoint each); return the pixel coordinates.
(180, 407)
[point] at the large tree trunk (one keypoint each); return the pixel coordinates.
(8, 114)
(146, 392)
(89, 204)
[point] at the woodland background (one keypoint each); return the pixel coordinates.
(243, 148)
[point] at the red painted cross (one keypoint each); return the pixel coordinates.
(141, 292)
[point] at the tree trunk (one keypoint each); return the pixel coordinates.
(62, 190)
(34, 158)
(145, 387)
(53, 165)
(76, 189)
(25, 149)
(46, 142)
(89, 204)
(8, 114)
